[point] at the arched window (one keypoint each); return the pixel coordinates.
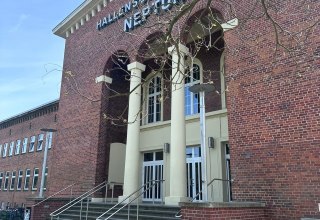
(192, 100)
(154, 99)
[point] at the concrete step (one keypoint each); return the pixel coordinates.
(146, 212)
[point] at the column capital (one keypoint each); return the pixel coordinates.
(181, 48)
(136, 65)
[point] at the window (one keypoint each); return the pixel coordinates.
(27, 179)
(154, 100)
(35, 178)
(5, 148)
(45, 179)
(0, 149)
(18, 147)
(192, 100)
(24, 145)
(20, 176)
(49, 139)
(1, 181)
(32, 142)
(6, 181)
(13, 180)
(11, 148)
(40, 142)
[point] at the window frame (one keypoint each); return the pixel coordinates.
(49, 139)
(13, 180)
(40, 142)
(27, 177)
(20, 179)
(35, 179)
(0, 151)
(1, 181)
(17, 149)
(32, 143)
(5, 149)
(11, 149)
(188, 85)
(154, 95)
(24, 145)
(6, 181)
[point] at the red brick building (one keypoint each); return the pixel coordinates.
(22, 147)
(262, 118)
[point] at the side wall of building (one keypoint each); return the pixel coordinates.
(28, 160)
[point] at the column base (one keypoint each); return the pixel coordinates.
(175, 200)
(120, 198)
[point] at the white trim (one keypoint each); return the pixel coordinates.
(229, 25)
(33, 179)
(104, 78)
(27, 176)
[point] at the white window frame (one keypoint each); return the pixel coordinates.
(20, 178)
(18, 143)
(40, 142)
(24, 145)
(32, 143)
(1, 181)
(154, 97)
(5, 148)
(6, 181)
(49, 139)
(27, 177)
(13, 180)
(35, 175)
(190, 108)
(11, 149)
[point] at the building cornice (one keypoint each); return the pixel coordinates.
(77, 18)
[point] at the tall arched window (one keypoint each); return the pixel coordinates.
(154, 99)
(192, 100)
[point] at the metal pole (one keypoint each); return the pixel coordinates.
(44, 165)
(203, 146)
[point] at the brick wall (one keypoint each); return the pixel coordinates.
(197, 213)
(273, 106)
(28, 160)
(273, 112)
(43, 210)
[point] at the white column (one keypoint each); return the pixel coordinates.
(178, 179)
(131, 170)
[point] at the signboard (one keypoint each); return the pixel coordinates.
(144, 8)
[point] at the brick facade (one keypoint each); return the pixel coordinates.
(224, 214)
(18, 128)
(273, 107)
(272, 101)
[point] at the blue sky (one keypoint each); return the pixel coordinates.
(31, 56)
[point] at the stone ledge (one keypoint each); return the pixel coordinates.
(223, 204)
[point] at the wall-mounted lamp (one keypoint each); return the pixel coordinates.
(210, 142)
(166, 148)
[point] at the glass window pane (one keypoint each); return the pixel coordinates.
(148, 157)
(159, 155)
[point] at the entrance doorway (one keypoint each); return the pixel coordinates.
(152, 170)
(194, 172)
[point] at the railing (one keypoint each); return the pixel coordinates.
(149, 185)
(56, 194)
(179, 215)
(81, 198)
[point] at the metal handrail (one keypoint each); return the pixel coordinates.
(128, 197)
(78, 199)
(178, 214)
(54, 195)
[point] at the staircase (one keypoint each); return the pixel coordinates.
(146, 212)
